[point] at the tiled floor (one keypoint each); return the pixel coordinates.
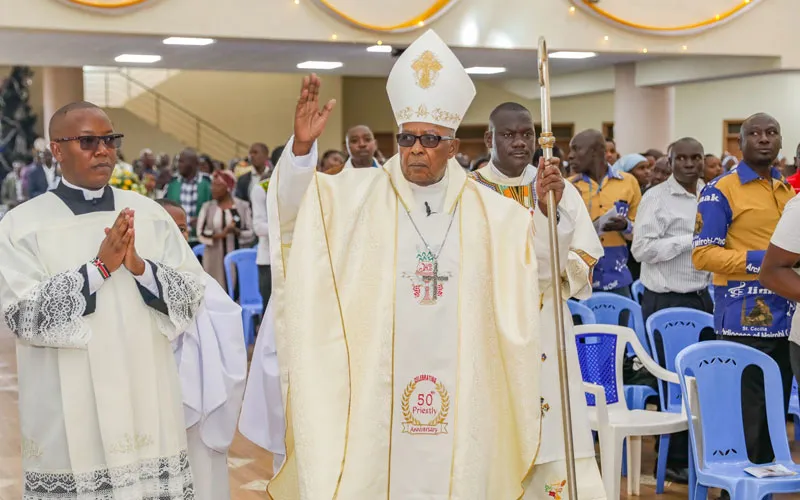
(250, 467)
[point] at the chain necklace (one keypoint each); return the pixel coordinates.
(428, 247)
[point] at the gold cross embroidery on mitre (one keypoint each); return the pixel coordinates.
(426, 68)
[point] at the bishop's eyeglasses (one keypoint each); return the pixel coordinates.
(427, 140)
(90, 142)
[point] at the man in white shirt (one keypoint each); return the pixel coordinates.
(361, 147)
(258, 201)
(663, 232)
(780, 270)
(662, 242)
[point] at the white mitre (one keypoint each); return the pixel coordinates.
(428, 84)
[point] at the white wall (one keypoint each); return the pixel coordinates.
(701, 108)
(140, 135)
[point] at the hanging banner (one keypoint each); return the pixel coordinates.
(108, 6)
(377, 16)
(672, 18)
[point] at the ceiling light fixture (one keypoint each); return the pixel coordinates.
(380, 48)
(572, 55)
(137, 58)
(179, 40)
(320, 65)
(484, 70)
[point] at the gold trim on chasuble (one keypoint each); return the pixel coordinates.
(344, 334)
(517, 193)
(394, 329)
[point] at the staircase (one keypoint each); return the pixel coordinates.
(132, 90)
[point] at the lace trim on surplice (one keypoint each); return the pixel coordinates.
(182, 294)
(165, 478)
(51, 315)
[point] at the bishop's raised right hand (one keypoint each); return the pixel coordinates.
(309, 118)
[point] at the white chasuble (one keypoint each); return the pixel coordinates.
(425, 347)
(99, 395)
(349, 345)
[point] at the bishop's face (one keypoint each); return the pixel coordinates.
(86, 163)
(424, 151)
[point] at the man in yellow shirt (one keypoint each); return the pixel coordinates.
(602, 190)
(736, 216)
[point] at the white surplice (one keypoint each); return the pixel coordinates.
(579, 249)
(212, 364)
(99, 394)
(262, 420)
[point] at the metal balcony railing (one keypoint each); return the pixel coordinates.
(116, 88)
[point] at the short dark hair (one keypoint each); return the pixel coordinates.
(62, 112)
(166, 202)
(276, 155)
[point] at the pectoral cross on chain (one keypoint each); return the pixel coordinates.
(433, 282)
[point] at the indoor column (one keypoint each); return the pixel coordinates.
(60, 86)
(643, 116)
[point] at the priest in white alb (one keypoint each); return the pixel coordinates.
(406, 311)
(212, 366)
(95, 282)
(511, 138)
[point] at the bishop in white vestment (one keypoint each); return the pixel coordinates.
(406, 311)
(99, 395)
(212, 366)
(511, 140)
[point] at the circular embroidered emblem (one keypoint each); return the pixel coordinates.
(425, 405)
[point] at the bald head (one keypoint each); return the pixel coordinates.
(188, 163)
(588, 153)
(505, 109)
(361, 146)
(83, 142)
(760, 141)
(59, 120)
(511, 138)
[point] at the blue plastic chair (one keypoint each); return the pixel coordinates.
(244, 261)
(717, 370)
(794, 410)
(676, 328)
(637, 290)
(607, 308)
(581, 311)
(199, 250)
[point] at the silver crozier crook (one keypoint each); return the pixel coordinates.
(547, 141)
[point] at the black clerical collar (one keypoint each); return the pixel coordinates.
(77, 202)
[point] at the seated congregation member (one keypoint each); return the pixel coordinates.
(94, 292)
(212, 366)
(225, 224)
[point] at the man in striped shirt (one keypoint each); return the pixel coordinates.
(662, 236)
(662, 242)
